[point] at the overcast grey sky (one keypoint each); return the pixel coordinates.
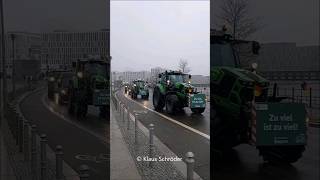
(284, 21)
(146, 34)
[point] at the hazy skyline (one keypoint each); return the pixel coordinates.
(147, 34)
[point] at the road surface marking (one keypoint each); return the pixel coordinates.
(172, 120)
(71, 122)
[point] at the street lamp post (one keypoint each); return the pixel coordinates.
(3, 73)
(13, 37)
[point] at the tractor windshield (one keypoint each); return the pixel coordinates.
(222, 55)
(182, 78)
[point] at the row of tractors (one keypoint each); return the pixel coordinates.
(87, 84)
(173, 92)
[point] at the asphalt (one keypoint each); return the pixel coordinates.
(177, 138)
(200, 122)
(244, 162)
(80, 145)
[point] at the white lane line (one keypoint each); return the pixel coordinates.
(71, 122)
(172, 120)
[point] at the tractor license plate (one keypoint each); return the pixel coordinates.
(197, 101)
(280, 124)
(100, 97)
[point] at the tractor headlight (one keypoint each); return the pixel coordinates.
(257, 91)
(80, 74)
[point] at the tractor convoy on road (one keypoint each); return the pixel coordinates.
(241, 112)
(172, 92)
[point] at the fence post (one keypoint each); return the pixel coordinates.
(292, 94)
(123, 111)
(301, 95)
(17, 127)
(274, 91)
(84, 172)
(151, 145)
(190, 164)
(43, 151)
(59, 163)
(310, 97)
(128, 118)
(26, 147)
(34, 152)
(135, 128)
(20, 133)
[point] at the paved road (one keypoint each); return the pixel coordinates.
(245, 163)
(178, 138)
(199, 122)
(77, 137)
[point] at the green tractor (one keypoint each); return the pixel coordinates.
(242, 112)
(174, 92)
(139, 88)
(89, 86)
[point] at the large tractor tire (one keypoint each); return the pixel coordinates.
(197, 110)
(81, 110)
(103, 112)
(171, 103)
(81, 106)
(145, 97)
(71, 104)
(158, 99)
(281, 154)
(223, 136)
(133, 95)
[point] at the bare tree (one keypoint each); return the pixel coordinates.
(183, 66)
(235, 15)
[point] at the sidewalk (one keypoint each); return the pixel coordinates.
(122, 165)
